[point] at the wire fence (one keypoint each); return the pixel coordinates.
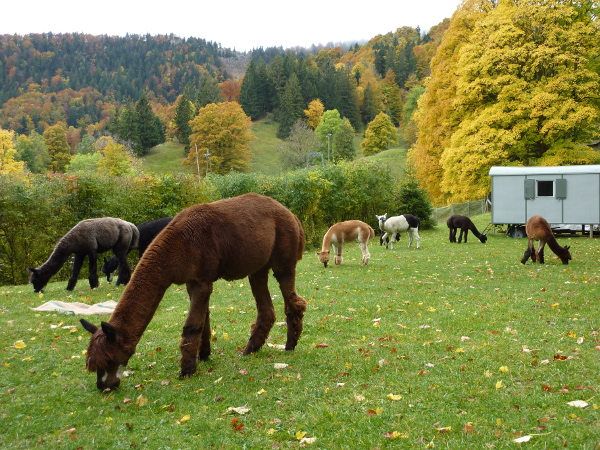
(464, 209)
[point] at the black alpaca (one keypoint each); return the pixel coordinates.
(148, 231)
(465, 224)
(89, 238)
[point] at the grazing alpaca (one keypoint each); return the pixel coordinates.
(350, 230)
(395, 224)
(538, 229)
(89, 238)
(148, 231)
(244, 236)
(465, 224)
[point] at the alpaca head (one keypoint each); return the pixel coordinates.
(107, 354)
(566, 255)
(38, 279)
(324, 257)
(483, 238)
(381, 219)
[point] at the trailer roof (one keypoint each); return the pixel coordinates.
(544, 170)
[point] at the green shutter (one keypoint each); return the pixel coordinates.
(529, 189)
(561, 188)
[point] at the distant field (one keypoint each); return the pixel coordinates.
(165, 158)
(168, 157)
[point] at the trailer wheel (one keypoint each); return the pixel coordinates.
(516, 231)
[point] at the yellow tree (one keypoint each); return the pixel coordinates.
(55, 138)
(223, 131)
(380, 134)
(116, 160)
(436, 117)
(524, 93)
(8, 165)
(314, 113)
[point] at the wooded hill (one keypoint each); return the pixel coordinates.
(81, 80)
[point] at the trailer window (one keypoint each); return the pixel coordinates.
(545, 188)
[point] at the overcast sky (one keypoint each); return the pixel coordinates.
(236, 24)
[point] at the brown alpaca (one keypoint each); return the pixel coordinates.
(244, 236)
(538, 229)
(350, 230)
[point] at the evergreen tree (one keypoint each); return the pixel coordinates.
(209, 92)
(347, 97)
(292, 107)
(369, 109)
(184, 112)
(149, 128)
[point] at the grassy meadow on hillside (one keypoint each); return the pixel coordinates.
(448, 346)
(167, 157)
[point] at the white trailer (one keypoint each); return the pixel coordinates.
(568, 197)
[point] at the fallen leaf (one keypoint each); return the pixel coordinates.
(239, 409)
(322, 345)
(184, 419)
(578, 404)
(20, 344)
(522, 439)
(141, 401)
(308, 440)
(300, 434)
(280, 365)
(394, 397)
(468, 428)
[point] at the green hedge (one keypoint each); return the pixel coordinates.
(37, 210)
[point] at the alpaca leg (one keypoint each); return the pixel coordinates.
(93, 276)
(77, 263)
(392, 241)
(295, 306)
(194, 328)
(338, 253)
(541, 254)
(526, 255)
(417, 237)
(265, 318)
(124, 269)
(452, 236)
(386, 239)
(366, 256)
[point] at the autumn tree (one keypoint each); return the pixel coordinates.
(115, 160)
(380, 134)
(55, 138)
(524, 92)
(222, 130)
(8, 163)
(33, 151)
(314, 113)
(409, 127)
(301, 141)
(436, 117)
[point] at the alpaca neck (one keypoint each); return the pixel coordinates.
(327, 241)
(555, 246)
(475, 231)
(57, 259)
(138, 303)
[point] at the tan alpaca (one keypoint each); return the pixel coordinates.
(350, 230)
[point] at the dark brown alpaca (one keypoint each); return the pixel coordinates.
(245, 236)
(538, 229)
(88, 239)
(464, 224)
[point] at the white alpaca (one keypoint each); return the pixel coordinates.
(350, 230)
(396, 224)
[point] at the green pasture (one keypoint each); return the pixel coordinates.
(454, 346)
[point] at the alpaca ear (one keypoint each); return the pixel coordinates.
(111, 332)
(88, 326)
(567, 247)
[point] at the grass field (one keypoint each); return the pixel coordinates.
(454, 346)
